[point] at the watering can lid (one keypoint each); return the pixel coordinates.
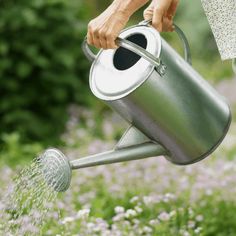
(109, 83)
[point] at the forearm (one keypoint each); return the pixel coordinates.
(127, 7)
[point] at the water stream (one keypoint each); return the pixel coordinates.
(25, 206)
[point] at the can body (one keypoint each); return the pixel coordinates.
(179, 110)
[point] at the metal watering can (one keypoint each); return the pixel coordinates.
(172, 110)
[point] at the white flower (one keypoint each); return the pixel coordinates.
(119, 209)
(126, 223)
(199, 218)
(147, 229)
(11, 222)
(154, 222)
(67, 219)
(197, 230)
(130, 213)
(190, 212)
(170, 195)
(90, 225)
(164, 216)
(186, 233)
(96, 229)
(147, 200)
(138, 209)
(209, 192)
(82, 214)
(172, 213)
(134, 199)
(136, 221)
(118, 217)
(191, 224)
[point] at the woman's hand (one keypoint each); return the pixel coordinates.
(161, 12)
(104, 29)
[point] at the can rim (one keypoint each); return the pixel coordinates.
(149, 70)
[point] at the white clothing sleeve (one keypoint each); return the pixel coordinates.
(221, 15)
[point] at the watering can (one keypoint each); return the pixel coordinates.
(171, 109)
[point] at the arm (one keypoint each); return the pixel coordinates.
(104, 29)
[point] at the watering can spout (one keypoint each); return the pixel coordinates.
(134, 152)
(133, 145)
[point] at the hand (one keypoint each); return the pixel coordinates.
(161, 12)
(103, 30)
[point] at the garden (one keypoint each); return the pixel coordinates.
(46, 102)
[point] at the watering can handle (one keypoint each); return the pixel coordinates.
(161, 68)
(183, 38)
(187, 53)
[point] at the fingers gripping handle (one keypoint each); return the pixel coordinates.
(161, 68)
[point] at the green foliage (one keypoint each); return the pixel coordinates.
(14, 153)
(42, 67)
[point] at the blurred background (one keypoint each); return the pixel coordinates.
(44, 73)
(44, 94)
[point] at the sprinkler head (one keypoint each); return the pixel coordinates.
(56, 169)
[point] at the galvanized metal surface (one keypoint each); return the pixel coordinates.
(107, 82)
(134, 152)
(132, 136)
(56, 169)
(179, 110)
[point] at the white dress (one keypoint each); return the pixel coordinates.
(221, 15)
